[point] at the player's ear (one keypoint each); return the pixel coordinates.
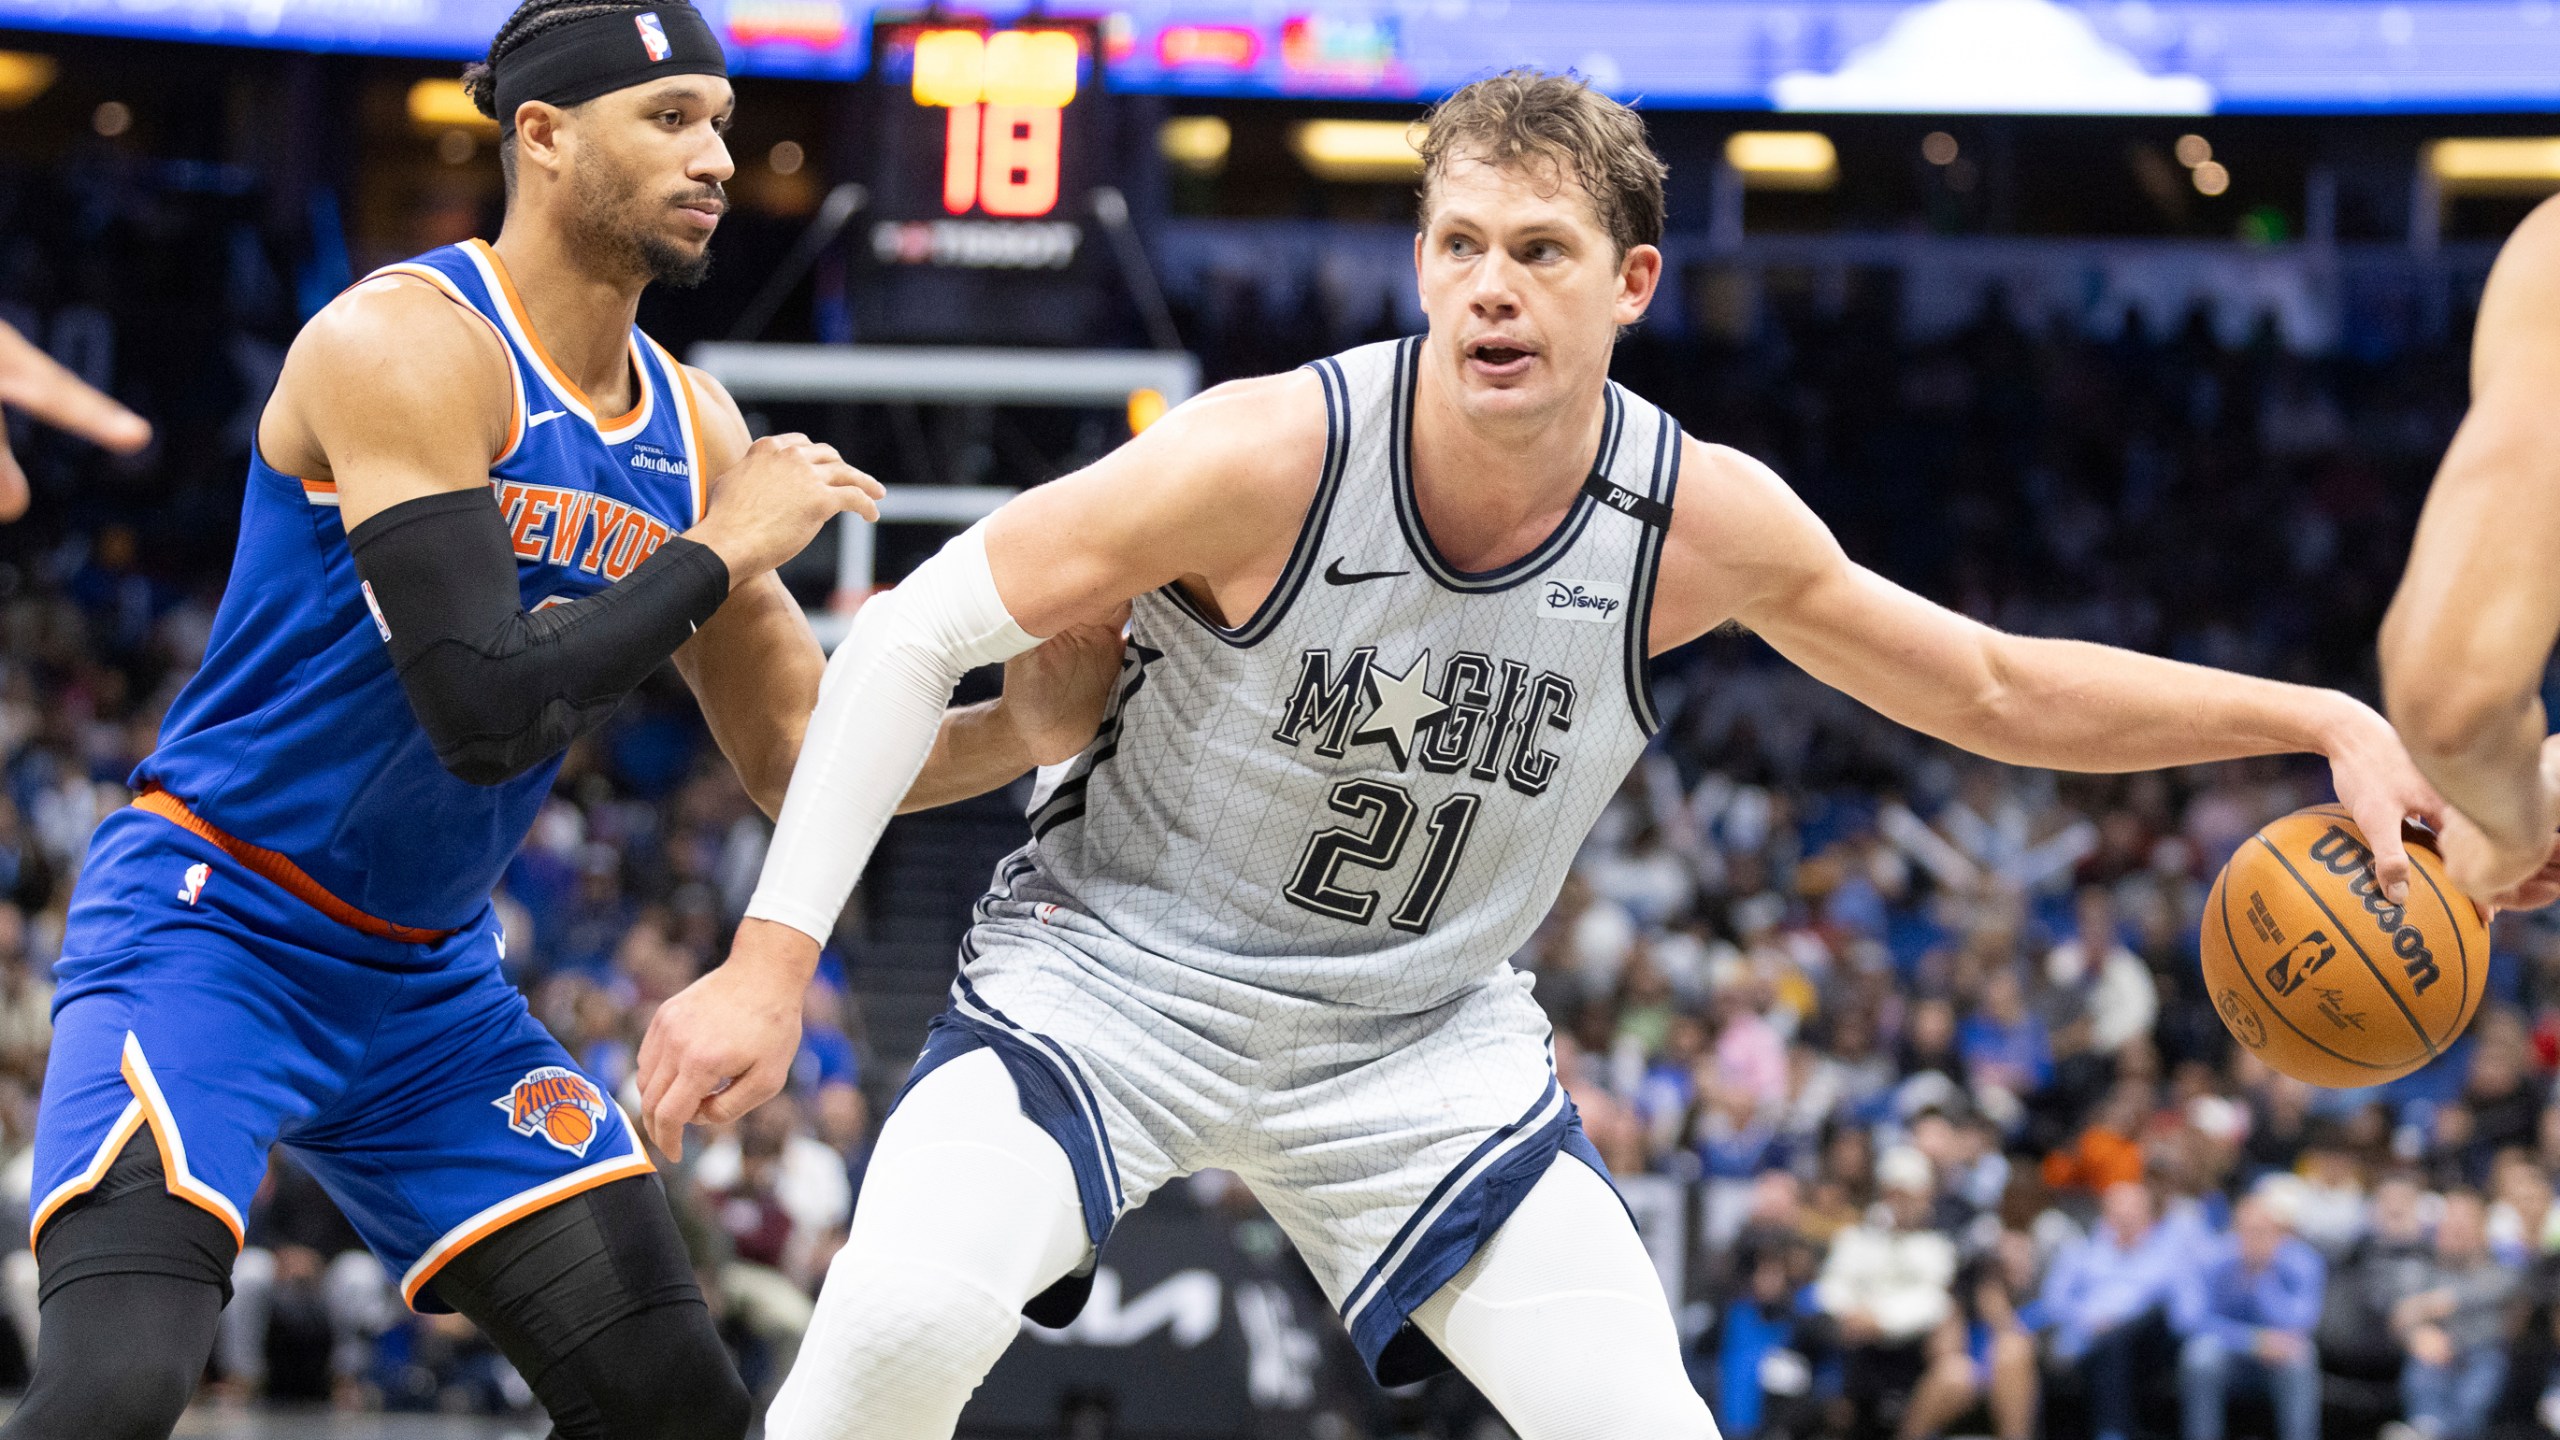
(538, 135)
(1639, 276)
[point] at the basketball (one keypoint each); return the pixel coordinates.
(2327, 981)
(569, 1125)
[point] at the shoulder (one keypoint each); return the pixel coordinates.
(1252, 443)
(398, 324)
(722, 427)
(392, 357)
(1738, 537)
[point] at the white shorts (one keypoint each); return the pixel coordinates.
(1390, 1147)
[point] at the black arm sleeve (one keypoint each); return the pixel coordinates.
(499, 690)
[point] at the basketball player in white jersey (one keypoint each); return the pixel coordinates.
(1386, 666)
(2468, 641)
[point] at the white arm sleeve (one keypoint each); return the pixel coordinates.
(879, 709)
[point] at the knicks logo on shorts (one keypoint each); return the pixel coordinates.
(561, 1106)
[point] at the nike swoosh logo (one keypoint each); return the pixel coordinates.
(545, 418)
(1333, 575)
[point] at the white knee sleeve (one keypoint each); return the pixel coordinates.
(1562, 1323)
(967, 1211)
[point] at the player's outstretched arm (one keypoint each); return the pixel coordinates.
(30, 380)
(399, 397)
(1198, 499)
(2468, 636)
(755, 667)
(1744, 547)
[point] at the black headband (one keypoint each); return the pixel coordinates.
(598, 54)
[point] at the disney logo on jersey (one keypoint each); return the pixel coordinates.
(557, 1104)
(556, 525)
(1596, 601)
(1472, 713)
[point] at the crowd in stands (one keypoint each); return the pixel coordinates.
(1969, 1148)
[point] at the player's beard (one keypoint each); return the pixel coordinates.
(617, 226)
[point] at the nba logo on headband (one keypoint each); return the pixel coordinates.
(653, 36)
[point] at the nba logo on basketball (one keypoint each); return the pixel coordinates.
(653, 36)
(560, 1106)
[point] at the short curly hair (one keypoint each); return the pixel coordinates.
(1557, 123)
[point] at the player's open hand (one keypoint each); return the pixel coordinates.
(724, 1044)
(774, 501)
(2381, 787)
(31, 381)
(1055, 695)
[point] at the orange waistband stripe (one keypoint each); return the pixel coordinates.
(284, 872)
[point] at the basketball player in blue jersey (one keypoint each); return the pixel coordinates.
(1387, 666)
(483, 507)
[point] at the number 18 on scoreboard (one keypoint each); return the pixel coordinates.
(1006, 94)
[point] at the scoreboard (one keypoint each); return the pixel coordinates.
(986, 142)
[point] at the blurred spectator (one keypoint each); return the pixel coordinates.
(308, 1300)
(2107, 1300)
(1765, 1350)
(1887, 1286)
(1979, 1358)
(2454, 1328)
(756, 1287)
(2246, 1319)
(2121, 1000)
(2386, 1263)
(2005, 1046)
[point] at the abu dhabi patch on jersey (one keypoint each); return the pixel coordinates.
(560, 1106)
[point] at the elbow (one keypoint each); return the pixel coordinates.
(2445, 716)
(768, 792)
(480, 765)
(2444, 699)
(1997, 714)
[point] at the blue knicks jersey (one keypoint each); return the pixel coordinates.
(295, 737)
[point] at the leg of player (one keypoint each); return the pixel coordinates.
(134, 1281)
(1561, 1322)
(968, 1211)
(593, 1301)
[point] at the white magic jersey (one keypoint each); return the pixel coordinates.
(1368, 792)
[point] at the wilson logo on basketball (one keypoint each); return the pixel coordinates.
(560, 1106)
(2347, 857)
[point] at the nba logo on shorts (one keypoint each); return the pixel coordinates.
(653, 36)
(558, 1105)
(193, 885)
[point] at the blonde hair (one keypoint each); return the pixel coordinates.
(1560, 124)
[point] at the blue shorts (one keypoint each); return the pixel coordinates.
(202, 1000)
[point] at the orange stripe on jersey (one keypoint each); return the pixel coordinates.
(280, 869)
(551, 367)
(87, 1180)
(515, 382)
(692, 430)
(164, 1136)
(148, 1109)
(320, 492)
